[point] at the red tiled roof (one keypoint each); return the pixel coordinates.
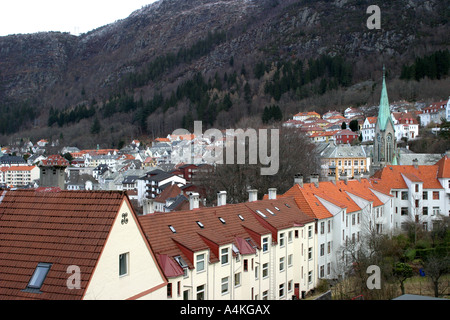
(55, 160)
(444, 167)
(20, 168)
(170, 192)
(390, 177)
(189, 237)
(62, 228)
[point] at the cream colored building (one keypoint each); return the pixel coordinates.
(260, 250)
(74, 245)
(17, 176)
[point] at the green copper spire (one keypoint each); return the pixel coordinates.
(384, 113)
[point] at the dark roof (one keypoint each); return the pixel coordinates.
(7, 159)
(63, 228)
(417, 297)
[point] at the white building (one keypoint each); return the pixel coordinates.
(368, 129)
(260, 250)
(420, 192)
(405, 126)
(434, 113)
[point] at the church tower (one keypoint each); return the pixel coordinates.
(385, 145)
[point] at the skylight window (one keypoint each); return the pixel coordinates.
(39, 275)
(278, 209)
(251, 243)
(287, 205)
(181, 262)
(201, 225)
(222, 220)
(172, 229)
(261, 214)
(270, 212)
(241, 217)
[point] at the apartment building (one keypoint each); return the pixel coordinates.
(18, 176)
(345, 212)
(420, 192)
(259, 250)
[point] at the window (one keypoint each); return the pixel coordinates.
(224, 256)
(224, 288)
(310, 232)
(237, 279)
(404, 211)
(404, 195)
(329, 226)
(435, 195)
(200, 262)
(322, 271)
(265, 245)
(290, 285)
(201, 292)
(435, 211)
(261, 214)
(417, 187)
(310, 277)
(256, 272)
(123, 264)
(322, 227)
(182, 264)
(241, 217)
(425, 195)
(200, 224)
(417, 203)
(172, 229)
(269, 211)
(281, 290)
(329, 247)
(290, 260)
(265, 295)
(296, 234)
(265, 270)
(245, 265)
(222, 220)
(290, 236)
(353, 219)
(281, 264)
(281, 239)
(169, 290)
(310, 253)
(322, 249)
(39, 275)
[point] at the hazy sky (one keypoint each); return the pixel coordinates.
(80, 16)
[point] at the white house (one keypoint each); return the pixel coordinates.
(434, 113)
(405, 126)
(368, 129)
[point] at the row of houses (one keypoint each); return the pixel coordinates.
(71, 242)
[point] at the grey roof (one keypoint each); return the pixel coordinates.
(417, 297)
(7, 159)
(178, 201)
(406, 159)
(344, 151)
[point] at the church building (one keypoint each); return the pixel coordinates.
(385, 146)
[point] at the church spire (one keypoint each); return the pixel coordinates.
(384, 112)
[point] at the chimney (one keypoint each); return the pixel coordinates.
(415, 163)
(221, 198)
(148, 207)
(272, 193)
(298, 179)
(252, 195)
(314, 178)
(193, 201)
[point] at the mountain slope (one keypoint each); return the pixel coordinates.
(175, 61)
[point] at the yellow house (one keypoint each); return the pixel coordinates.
(74, 245)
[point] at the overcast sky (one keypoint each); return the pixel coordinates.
(80, 16)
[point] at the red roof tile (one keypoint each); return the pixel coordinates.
(188, 237)
(62, 228)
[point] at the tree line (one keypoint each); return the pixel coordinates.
(162, 64)
(433, 66)
(66, 117)
(315, 77)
